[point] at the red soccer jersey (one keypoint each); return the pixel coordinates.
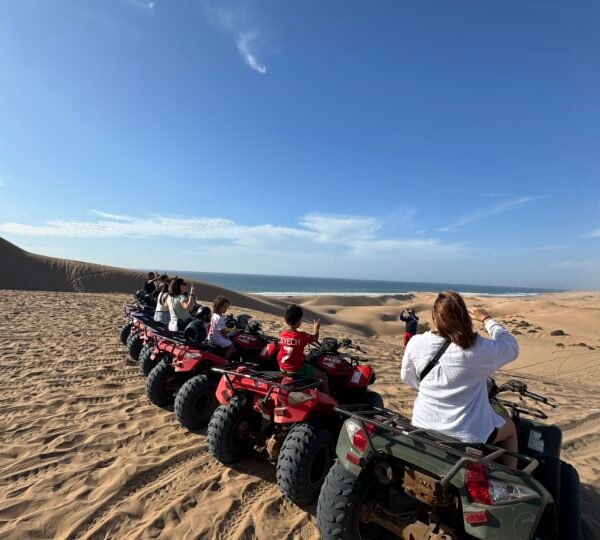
(291, 352)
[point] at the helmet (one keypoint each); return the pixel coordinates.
(253, 327)
(204, 313)
(195, 332)
(329, 345)
(242, 321)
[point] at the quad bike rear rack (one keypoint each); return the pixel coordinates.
(269, 378)
(397, 424)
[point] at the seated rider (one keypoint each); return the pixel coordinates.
(180, 304)
(217, 333)
(453, 396)
(292, 343)
(161, 313)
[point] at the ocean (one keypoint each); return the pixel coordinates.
(309, 286)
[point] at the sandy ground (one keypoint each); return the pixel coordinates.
(83, 454)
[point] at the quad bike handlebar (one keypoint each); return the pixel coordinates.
(520, 388)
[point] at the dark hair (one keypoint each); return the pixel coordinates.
(452, 320)
(219, 302)
(175, 287)
(164, 287)
(151, 275)
(293, 314)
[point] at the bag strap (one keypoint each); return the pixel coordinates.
(434, 360)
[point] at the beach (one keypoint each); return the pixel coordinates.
(83, 453)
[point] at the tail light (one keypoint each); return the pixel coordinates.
(489, 492)
(357, 434)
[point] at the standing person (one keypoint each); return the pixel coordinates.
(412, 324)
(180, 304)
(452, 391)
(217, 332)
(161, 313)
(291, 354)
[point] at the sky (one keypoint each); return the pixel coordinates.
(454, 142)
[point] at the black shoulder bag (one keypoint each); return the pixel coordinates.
(434, 360)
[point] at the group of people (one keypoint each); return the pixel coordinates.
(448, 365)
(175, 304)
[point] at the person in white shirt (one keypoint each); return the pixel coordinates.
(452, 397)
(217, 332)
(180, 304)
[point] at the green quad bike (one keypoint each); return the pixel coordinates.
(392, 480)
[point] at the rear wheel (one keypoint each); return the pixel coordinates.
(124, 332)
(569, 525)
(196, 402)
(228, 430)
(305, 458)
(374, 399)
(162, 384)
(341, 501)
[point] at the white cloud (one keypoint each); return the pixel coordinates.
(593, 234)
(237, 25)
(353, 234)
(244, 47)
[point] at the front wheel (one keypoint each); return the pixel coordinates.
(124, 332)
(569, 525)
(162, 384)
(341, 501)
(305, 458)
(195, 402)
(229, 429)
(134, 345)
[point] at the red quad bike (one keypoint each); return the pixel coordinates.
(142, 306)
(185, 377)
(289, 417)
(138, 334)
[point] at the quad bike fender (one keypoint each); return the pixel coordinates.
(192, 360)
(360, 377)
(294, 407)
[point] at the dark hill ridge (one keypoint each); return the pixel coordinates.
(22, 270)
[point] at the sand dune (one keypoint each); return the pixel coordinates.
(83, 454)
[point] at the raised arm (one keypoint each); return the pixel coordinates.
(502, 348)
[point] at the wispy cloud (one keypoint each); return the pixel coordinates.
(353, 233)
(143, 5)
(504, 206)
(593, 234)
(237, 24)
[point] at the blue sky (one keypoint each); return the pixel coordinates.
(421, 141)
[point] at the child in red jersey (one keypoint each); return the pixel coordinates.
(292, 343)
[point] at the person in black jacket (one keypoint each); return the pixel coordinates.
(412, 323)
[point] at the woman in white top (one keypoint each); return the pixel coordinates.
(161, 313)
(453, 396)
(217, 333)
(180, 305)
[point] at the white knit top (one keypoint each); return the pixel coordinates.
(453, 397)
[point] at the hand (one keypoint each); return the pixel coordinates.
(479, 314)
(192, 290)
(316, 325)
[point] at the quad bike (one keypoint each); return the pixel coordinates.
(394, 480)
(142, 305)
(184, 376)
(289, 417)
